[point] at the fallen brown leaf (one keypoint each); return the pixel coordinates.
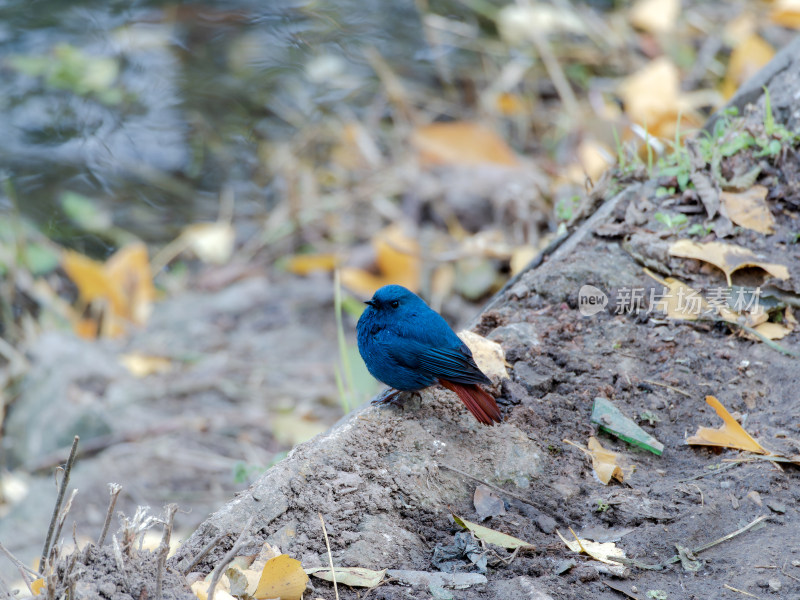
(726, 257)
(730, 435)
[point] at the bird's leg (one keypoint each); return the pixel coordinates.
(387, 396)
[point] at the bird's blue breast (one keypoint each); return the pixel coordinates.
(379, 342)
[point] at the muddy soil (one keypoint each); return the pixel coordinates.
(386, 480)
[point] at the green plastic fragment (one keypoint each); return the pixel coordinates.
(611, 420)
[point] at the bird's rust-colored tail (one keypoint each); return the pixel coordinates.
(478, 402)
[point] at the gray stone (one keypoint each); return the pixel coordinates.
(519, 588)
(524, 334)
(545, 523)
(443, 580)
(535, 381)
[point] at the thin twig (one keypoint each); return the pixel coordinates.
(669, 387)
(206, 549)
(63, 517)
(26, 572)
(330, 556)
(767, 341)
(113, 489)
(163, 548)
(719, 469)
(5, 591)
(494, 487)
(677, 558)
(733, 589)
(59, 500)
(226, 560)
(750, 525)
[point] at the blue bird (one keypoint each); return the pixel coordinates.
(409, 346)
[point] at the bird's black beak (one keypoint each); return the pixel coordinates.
(370, 302)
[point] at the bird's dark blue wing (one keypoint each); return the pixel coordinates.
(454, 363)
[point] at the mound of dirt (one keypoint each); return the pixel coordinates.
(386, 480)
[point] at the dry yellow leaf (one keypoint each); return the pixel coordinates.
(461, 143)
(726, 257)
(211, 242)
(122, 288)
(488, 355)
(200, 589)
(730, 435)
(595, 159)
(492, 536)
(786, 13)
(739, 28)
(749, 209)
(397, 259)
(267, 552)
(37, 586)
(655, 16)
(598, 551)
(282, 577)
(509, 104)
(606, 463)
(773, 331)
(142, 365)
(128, 271)
(91, 279)
(750, 318)
(680, 301)
(303, 264)
(746, 58)
(651, 95)
(521, 256)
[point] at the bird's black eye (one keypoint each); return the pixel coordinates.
(395, 304)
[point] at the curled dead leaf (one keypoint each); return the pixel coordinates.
(726, 257)
(211, 242)
(491, 536)
(488, 355)
(142, 365)
(461, 143)
(730, 435)
(680, 301)
(749, 209)
(352, 576)
(121, 288)
(599, 551)
(607, 464)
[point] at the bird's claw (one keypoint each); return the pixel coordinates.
(387, 396)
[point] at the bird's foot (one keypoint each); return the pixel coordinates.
(387, 396)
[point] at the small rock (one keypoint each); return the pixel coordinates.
(564, 566)
(754, 496)
(774, 585)
(534, 381)
(545, 523)
(516, 334)
(777, 507)
(519, 587)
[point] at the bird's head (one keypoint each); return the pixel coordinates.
(394, 299)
